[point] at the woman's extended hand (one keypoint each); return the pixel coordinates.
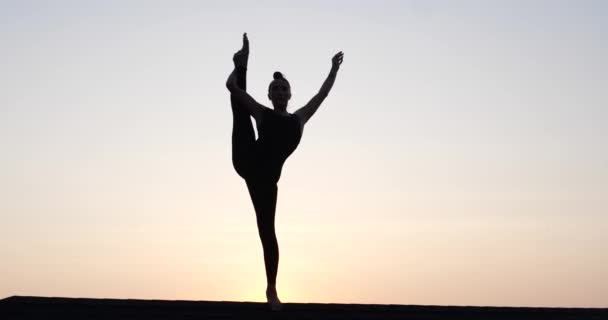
(336, 61)
(240, 57)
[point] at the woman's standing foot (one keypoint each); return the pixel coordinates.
(273, 299)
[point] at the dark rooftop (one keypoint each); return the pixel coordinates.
(23, 307)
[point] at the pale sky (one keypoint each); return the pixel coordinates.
(460, 158)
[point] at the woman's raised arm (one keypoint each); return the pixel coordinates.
(306, 112)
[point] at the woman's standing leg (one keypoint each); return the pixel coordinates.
(264, 198)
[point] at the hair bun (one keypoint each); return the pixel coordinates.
(277, 75)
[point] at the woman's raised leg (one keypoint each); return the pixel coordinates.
(243, 136)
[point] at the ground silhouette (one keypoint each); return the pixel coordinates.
(19, 307)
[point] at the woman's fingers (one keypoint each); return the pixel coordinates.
(338, 57)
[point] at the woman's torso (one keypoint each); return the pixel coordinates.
(278, 136)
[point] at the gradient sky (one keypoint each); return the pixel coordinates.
(460, 159)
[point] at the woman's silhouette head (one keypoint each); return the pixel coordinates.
(279, 92)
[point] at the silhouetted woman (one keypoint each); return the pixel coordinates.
(260, 161)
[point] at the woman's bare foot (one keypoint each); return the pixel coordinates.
(273, 299)
(241, 57)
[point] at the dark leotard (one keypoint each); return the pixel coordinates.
(279, 135)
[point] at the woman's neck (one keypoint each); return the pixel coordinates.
(281, 109)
